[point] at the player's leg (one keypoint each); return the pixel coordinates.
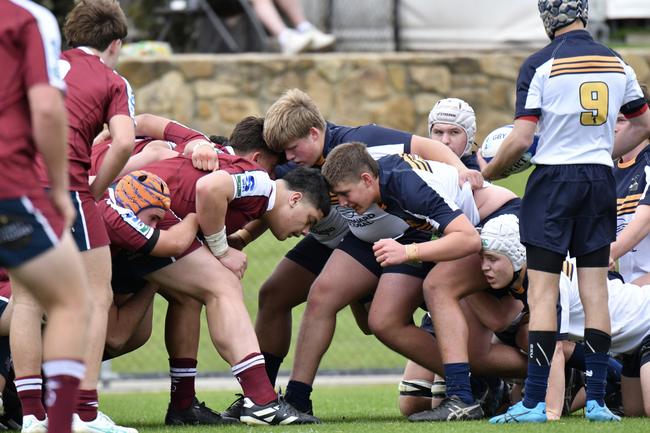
(200, 275)
(332, 291)
(444, 287)
(129, 322)
(286, 288)
(391, 320)
(27, 355)
(65, 301)
(182, 331)
(415, 389)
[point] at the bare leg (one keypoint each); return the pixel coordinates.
(286, 288)
(293, 10)
(269, 16)
(413, 403)
(332, 291)
(182, 325)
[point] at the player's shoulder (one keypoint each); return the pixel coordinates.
(22, 12)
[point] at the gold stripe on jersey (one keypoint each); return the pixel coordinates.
(420, 225)
(334, 199)
(628, 204)
(568, 269)
(415, 162)
(586, 64)
(586, 59)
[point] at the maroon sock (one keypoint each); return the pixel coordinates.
(182, 372)
(63, 377)
(251, 374)
(87, 404)
(30, 393)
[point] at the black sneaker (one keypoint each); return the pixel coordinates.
(197, 414)
(234, 410)
(450, 409)
(495, 401)
(277, 412)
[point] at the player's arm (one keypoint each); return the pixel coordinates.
(247, 234)
(150, 125)
(49, 129)
(513, 146)
(637, 230)
(122, 130)
(435, 150)
(494, 313)
(636, 132)
(213, 194)
(459, 239)
(176, 239)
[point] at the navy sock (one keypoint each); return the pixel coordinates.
(541, 347)
(298, 394)
(457, 379)
(273, 363)
(577, 359)
(597, 345)
(479, 386)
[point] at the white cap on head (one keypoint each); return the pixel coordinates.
(457, 112)
(501, 235)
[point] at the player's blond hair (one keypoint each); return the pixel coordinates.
(346, 163)
(290, 118)
(95, 24)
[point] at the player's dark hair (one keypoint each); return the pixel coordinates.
(346, 163)
(248, 136)
(312, 185)
(95, 24)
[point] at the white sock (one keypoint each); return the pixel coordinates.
(304, 26)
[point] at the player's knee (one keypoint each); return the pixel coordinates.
(414, 396)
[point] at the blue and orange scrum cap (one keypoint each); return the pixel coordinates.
(141, 190)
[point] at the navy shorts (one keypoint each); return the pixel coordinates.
(427, 324)
(633, 362)
(510, 207)
(310, 254)
(362, 252)
(569, 208)
(29, 226)
(129, 271)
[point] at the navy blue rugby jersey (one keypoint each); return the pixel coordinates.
(409, 189)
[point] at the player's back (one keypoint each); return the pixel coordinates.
(28, 37)
(576, 86)
(95, 94)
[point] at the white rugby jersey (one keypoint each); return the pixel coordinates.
(575, 88)
(632, 181)
(629, 308)
(415, 193)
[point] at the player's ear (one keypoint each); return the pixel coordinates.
(256, 156)
(367, 178)
(294, 198)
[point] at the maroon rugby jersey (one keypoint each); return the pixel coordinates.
(175, 133)
(95, 94)
(29, 50)
(254, 190)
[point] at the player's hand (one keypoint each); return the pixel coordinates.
(204, 156)
(102, 136)
(389, 252)
(612, 264)
(235, 241)
(236, 261)
(482, 163)
(63, 204)
(475, 178)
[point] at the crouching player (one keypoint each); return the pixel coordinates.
(224, 201)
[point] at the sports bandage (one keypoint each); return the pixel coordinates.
(244, 235)
(412, 253)
(218, 243)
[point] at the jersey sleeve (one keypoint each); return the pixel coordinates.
(418, 198)
(634, 103)
(181, 134)
(42, 50)
(529, 92)
(122, 98)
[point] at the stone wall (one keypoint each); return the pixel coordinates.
(213, 92)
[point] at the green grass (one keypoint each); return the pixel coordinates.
(350, 350)
(359, 409)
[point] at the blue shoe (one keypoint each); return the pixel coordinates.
(596, 412)
(520, 413)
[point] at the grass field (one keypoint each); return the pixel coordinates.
(350, 350)
(359, 409)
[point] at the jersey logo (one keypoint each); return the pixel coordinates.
(634, 185)
(252, 183)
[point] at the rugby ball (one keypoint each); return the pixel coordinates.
(493, 141)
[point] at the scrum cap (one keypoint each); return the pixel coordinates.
(141, 190)
(457, 112)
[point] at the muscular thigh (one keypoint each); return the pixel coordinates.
(456, 278)
(289, 284)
